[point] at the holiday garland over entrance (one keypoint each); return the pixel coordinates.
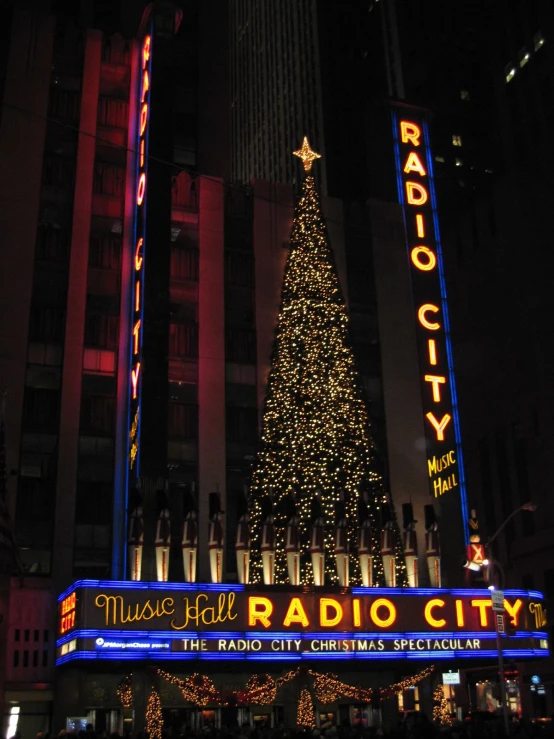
(261, 690)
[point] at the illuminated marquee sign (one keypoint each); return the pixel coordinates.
(137, 328)
(119, 620)
(67, 613)
(414, 167)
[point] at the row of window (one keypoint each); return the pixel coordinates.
(105, 253)
(27, 635)
(524, 55)
(26, 658)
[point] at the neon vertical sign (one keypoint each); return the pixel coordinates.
(416, 193)
(137, 291)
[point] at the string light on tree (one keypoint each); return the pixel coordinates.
(315, 429)
(441, 712)
(154, 718)
(125, 691)
(305, 712)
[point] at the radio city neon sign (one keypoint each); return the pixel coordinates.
(429, 308)
(138, 256)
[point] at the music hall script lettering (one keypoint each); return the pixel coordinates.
(196, 612)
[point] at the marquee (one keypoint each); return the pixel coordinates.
(142, 621)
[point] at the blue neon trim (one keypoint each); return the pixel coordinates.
(236, 588)
(297, 656)
(446, 318)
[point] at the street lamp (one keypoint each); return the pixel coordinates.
(489, 563)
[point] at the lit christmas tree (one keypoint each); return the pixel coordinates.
(315, 430)
(441, 713)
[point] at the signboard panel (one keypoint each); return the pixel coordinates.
(451, 678)
(164, 620)
(497, 598)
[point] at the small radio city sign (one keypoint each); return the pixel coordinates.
(171, 621)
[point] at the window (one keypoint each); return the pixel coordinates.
(239, 269)
(183, 340)
(456, 140)
(64, 104)
(242, 425)
(523, 57)
(47, 324)
(439, 159)
(34, 503)
(104, 251)
(108, 179)
(52, 244)
(183, 420)
(112, 112)
(94, 501)
(101, 331)
(98, 415)
(40, 409)
(464, 94)
(538, 41)
(184, 263)
(509, 72)
(58, 171)
(240, 345)
(16, 658)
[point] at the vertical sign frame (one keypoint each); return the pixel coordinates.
(417, 197)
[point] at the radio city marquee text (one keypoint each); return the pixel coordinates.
(241, 612)
(139, 250)
(418, 208)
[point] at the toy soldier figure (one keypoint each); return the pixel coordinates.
(341, 541)
(365, 543)
(163, 537)
(267, 547)
(475, 550)
(432, 547)
(216, 538)
(409, 541)
(387, 546)
(190, 537)
(292, 540)
(242, 542)
(317, 541)
(135, 540)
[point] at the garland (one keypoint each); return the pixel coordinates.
(154, 718)
(305, 712)
(125, 691)
(261, 690)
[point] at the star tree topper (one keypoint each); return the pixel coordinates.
(306, 154)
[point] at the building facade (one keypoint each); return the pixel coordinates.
(71, 136)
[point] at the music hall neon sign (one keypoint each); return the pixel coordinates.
(135, 339)
(414, 166)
